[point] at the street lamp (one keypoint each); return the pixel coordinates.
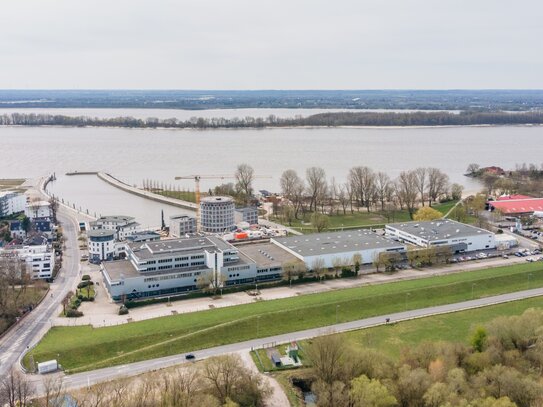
(529, 276)
(406, 297)
(337, 307)
(472, 286)
(257, 324)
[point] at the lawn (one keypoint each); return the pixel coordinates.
(188, 196)
(86, 348)
(362, 218)
(30, 297)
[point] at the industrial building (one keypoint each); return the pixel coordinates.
(181, 225)
(458, 236)
(174, 266)
(217, 214)
(11, 202)
(338, 245)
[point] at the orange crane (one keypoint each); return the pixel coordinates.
(197, 179)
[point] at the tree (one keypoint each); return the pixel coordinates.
(328, 358)
(66, 301)
(289, 213)
(437, 184)
(357, 262)
(318, 267)
(319, 221)
(53, 204)
(420, 174)
(293, 269)
(289, 182)
(337, 264)
(456, 191)
(427, 213)
(343, 197)
(383, 188)
(478, 339)
(210, 281)
(244, 181)
(412, 385)
(15, 390)
(473, 169)
(316, 186)
(459, 213)
(406, 190)
(370, 393)
(363, 184)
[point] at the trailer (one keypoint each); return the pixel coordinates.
(47, 367)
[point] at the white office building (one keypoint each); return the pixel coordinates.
(11, 202)
(174, 266)
(181, 225)
(217, 214)
(40, 260)
(337, 245)
(101, 245)
(458, 236)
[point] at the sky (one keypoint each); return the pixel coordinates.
(271, 44)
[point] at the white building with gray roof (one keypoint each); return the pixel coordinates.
(444, 232)
(338, 245)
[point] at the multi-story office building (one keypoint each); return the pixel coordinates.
(181, 225)
(101, 245)
(217, 214)
(175, 266)
(248, 214)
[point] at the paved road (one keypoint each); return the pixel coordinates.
(95, 376)
(31, 328)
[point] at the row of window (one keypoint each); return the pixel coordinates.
(171, 276)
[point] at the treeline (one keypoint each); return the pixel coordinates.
(321, 119)
(502, 367)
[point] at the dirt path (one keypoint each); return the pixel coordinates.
(277, 398)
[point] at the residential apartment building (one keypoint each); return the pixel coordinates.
(11, 202)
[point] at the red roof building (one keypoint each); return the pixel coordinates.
(517, 206)
(508, 197)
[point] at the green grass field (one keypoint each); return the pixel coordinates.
(189, 196)
(360, 218)
(86, 348)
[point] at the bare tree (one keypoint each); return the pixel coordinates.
(210, 281)
(420, 174)
(316, 186)
(383, 188)
(53, 390)
(244, 180)
(407, 191)
(318, 267)
(289, 182)
(362, 180)
(343, 197)
(320, 221)
(438, 183)
(15, 390)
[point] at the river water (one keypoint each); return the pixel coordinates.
(133, 155)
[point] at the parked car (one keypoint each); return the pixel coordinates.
(505, 256)
(190, 356)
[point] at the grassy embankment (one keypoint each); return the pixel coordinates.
(86, 348)
(188, 196)
(360, 219)
(16, 300)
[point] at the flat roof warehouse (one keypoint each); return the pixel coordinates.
(438, 230)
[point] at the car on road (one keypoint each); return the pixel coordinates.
(190, 356)
(505, 256)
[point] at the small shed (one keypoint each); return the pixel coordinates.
(276, 359)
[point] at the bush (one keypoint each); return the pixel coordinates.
(85, 277)
(73, 313)
(123, 310)
(84, 284)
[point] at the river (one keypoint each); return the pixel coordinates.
(133, 155)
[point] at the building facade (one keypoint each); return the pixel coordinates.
(330, 247)
(176, 266)
(248, 214)
(38, 209)
(181, 225)
(217, 214)
(122, 225)
(11, 202)
(458, 236)
(101, 245)
(40, 260)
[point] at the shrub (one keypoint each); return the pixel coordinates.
(85, 277)
(123, 310)
(73, 313)
(84, 284)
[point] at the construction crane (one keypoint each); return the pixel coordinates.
(197, 179)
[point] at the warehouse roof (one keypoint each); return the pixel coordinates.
(336, 242)
(438, 229)
(518, 205)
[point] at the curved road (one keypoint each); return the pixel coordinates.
(31, 328)
(100, 375)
